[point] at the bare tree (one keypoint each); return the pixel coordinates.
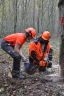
(2, 20)
(15, 14)
(61, 19)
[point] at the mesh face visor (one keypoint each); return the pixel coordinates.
(28, 34)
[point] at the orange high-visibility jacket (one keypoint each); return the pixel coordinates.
(38, 49)
(17, 38)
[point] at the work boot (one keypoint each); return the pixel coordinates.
(22, 76)
(15, 74)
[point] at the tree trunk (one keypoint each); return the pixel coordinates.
(2, 24)
(61, 19)
(15, 15)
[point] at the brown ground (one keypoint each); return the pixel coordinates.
(39, 84)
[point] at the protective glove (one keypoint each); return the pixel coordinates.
(43, 63)
(49, 65)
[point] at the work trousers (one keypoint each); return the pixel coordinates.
(8, 48)
(30, 68)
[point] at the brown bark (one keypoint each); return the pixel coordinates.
(15, 14)
(61, 19)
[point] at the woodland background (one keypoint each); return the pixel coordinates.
(16, 15)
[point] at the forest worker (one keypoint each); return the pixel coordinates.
(12, 44)
(40, 54)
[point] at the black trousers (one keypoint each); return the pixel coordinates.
(30, 68)
(7, 47)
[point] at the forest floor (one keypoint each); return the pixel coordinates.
(47, 83)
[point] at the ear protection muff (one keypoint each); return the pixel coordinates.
(42, 41)
(28, 34)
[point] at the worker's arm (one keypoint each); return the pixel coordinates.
(50, 54)
(17, 49)
(33, 55)
(48, 59)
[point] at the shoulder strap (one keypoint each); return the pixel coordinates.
(36, 40)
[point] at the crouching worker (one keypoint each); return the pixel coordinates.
(12, 44)
(40, 54)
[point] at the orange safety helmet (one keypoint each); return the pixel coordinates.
(46, 35)
(32, 31)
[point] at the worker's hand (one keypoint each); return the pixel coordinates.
(46, 58)
(24, 59)
(49, 65)
(43, 63)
